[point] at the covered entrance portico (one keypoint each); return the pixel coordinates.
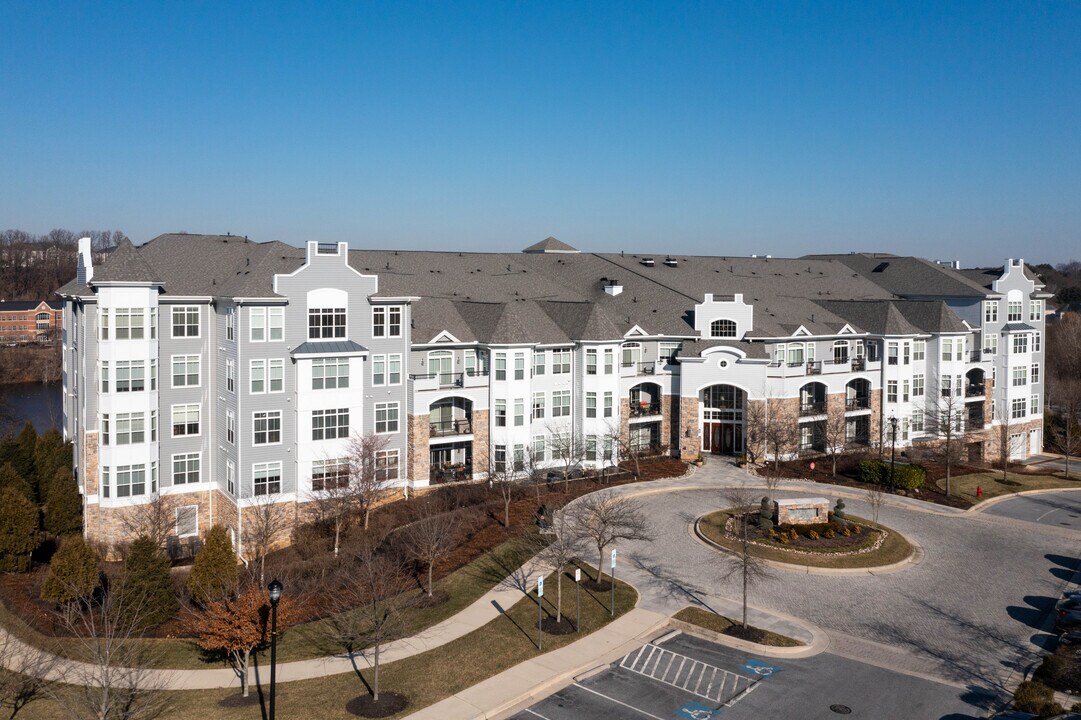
(723, 423)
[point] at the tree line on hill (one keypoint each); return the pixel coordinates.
(33, 266)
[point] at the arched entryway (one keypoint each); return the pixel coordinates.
(723, 422)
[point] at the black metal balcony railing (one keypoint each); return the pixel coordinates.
(975, 355)
(443, 428)
(859, 364)
(812, 408)
(974, 391)
(814, 367)
(858, 403)
(642, 368)
(449, 379)
(640, 409)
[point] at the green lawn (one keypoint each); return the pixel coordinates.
(991, 482)
(425, 678)
(894, 549)
(723, 625)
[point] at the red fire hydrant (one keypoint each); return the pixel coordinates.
(979, 491)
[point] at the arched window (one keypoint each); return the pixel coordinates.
(722, 328)
(440, 364)
(43, 316)
(632, 354)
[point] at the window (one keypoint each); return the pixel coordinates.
(105, 429)
(230, 324)
(257, 377)
(1020, 376)
(591, 448)
(154, 476)
(591, 362)
(1020, 344)
(947, 349)
(104, 481)
(153, 374)
(1035, 373)
(501, 413)
(1034, 405)
(330, 424)
(153, 323)
(917, 386)
(539, 362)
(519, 413)
(537, 449)
(990, 343)
(917, 421)
(632, 354)
(519, 457)
(840, 352)
(591, 404)
(1035, 311)
(276, 323)
(267, 427)
(104, 323)
(187, 521)
(668, 351)
(129, 324)
(891, 391)
(904, 391)
(519, 366)
(722, 328)
(277, 372)
(153, 426)
(1017, 408)
(257, 324)
(230, 426)
(186, 468)
(500, 366)
(326, 323)
(386, 465)
(561, 403)
(386, 321)
(891, 353)
(500, 461)
(386, 417)
(795, 354)
(608, 400)
(185, 321)
(1014, 311)
(990, 311)
(609, 361)
(185, 371)
(330, 474)
(919, 350)
(331, 373)
(561, 362)
(394, 369)
(907, 353)
(538, 406)
(872, 351)
(267, 478)
(230, 477)
(1036, 341)
(130, 480)
(946, 385)
(185, 420)
(230, 375)
(104, 372)
(130, 428)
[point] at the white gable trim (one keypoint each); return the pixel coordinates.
(443, 337)
(635, 332)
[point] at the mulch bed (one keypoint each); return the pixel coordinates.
(389, 704)
(239, 701)
(551, 627)
(437, 598)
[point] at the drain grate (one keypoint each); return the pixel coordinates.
(841, 709)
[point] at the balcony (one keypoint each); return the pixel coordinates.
(644, 409)
(436, 381)
(858, 403)
(975, 356)
(974, 391)
(640, 368)
(443, 428)
(814, 367)
(812, 408)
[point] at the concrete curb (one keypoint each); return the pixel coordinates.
(914, 558)
(991, 502)
(818, 645)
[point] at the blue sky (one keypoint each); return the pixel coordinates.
(940, 129)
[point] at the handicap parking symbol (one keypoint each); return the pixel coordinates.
(760, 668)
(695, 711)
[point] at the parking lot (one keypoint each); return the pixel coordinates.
(686, 677)
(1057, 509)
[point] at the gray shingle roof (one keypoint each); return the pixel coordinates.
(550, 245)
(22, 305)
(329, 347)
(909, 276)
(126, 264)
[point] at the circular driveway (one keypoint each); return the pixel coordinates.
(973, 607)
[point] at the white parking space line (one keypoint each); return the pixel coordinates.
(531, 711)
(667, 667)
(1052, 510)
(619, 702)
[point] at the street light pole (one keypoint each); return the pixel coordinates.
(275, 590)
(893, 448)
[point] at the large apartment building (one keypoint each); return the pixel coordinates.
(226, 373)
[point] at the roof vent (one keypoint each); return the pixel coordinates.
(648, 262)
(612, 286)
(671, 262)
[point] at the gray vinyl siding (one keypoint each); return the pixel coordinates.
(224, 349)
(168, 346)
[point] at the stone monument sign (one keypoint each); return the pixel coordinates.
(802, 511)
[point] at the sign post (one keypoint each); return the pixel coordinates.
(613, 582)
(540, 610)
(577, 599)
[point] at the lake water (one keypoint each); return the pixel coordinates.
(40, 403)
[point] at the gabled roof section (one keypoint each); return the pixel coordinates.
(880, 317)
(908, 276)
(583, 320)
(550, 245)
(126, 265)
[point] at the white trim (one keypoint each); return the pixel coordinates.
(281, 427)
(443, 337)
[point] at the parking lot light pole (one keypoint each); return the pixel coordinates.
(893, 448)
(613, 582)
(540, 612)
(275, 590)
(577, 599)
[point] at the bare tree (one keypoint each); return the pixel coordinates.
(1005, 439)
(750, 568)
(946, 422)
(875, 495)
(266, 521)
(835, 431)
(502, 479)
(335, 498)
(155, 519)
(566, 544)
(25, 673)
(568, 449)
(627, 450)
(367, 472)
(431, 537)
(603, 518)
(1066, 417)
(771, 428)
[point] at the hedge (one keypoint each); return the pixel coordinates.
(905, 476)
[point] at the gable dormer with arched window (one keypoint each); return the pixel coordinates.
(722, 328)
(723, 316)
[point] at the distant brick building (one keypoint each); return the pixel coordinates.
(26, 321)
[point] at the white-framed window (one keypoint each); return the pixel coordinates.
(561, 361)
(130, 428)
(1035, 310)
(1014, 311)
(186, 370)
(1035, 373)
(386, 417)
(501, 413)
(187, 521)
(539, 362)
(230, 477)
(591, 404)
(538, 450)
(276, 376)
(891, 391)
(105, 487)
(591, 448)
(906, 352)
(946, 385)
(609, 400)
(230, 426)
(917, 421)
(668, 351)
(332, 474)
(153, 323)
(230, 375)
(153, 374)
(919, 350)
(1034, 405)
(386, 465)
(257, 324)
(186, 419)
(990, 343)
(330, 424)
(947, 349)
(387, 370)
(519, 366)
(918, 386)
(500, 366)
(104, 424)
(990, 311)
(185, 321)
(561, 403)
(519, 457)
(130, 376)
(103, 314)
(632, 354)
(267, 427)
(257, 377)
(331, 373)
(538, 406)
(795, 354)
(103, 374)
(722, 328)
(519, 412)
(609, 361)
(230, 323)
(1020, 343)
(154, 476)
(130, 324)
(892, 355)
(275, 324)
(186, 468)
(591, 361)
(904, 390)
(326, 323)
(387, 321)
(266, 478)
(500, 458)
(1019, 376)
(1018, 408)
(130, 480)
(1037, 341)
(153, 426)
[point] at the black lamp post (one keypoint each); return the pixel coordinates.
(893, 447)
(275, 590)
